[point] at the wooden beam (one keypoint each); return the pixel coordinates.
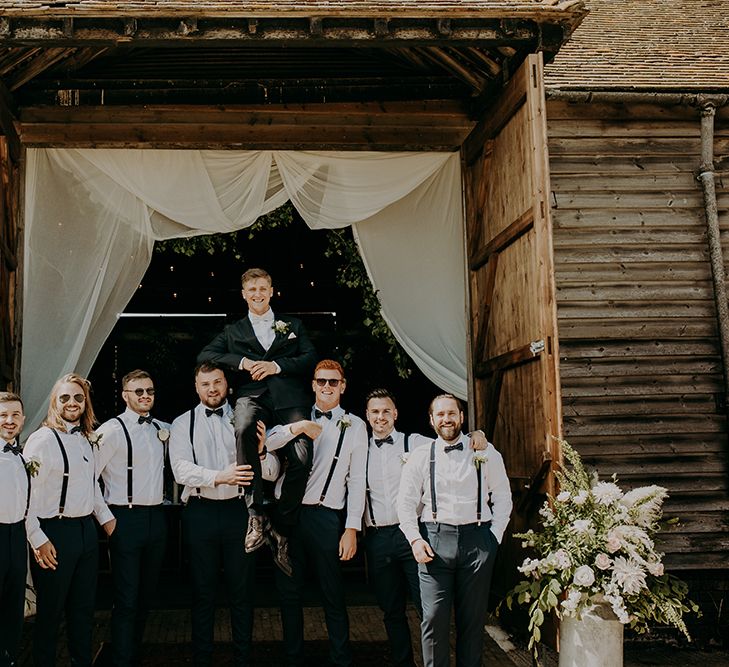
(7, 123)
(451, 64)
(41, 62)
(503, 239)
(507, 360)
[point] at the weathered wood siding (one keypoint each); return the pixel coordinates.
(641, 372)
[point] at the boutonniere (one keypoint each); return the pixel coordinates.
(164, 435)
(281, 327)
(32, 465)
(95, 439)
(404, 457)
(479, 459)
(344, 423)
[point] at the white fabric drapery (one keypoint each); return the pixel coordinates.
(92, 217)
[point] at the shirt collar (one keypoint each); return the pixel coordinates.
(442, 444)
(266, 317)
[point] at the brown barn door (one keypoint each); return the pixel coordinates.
(513, 337)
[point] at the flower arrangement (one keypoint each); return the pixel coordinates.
(596, 547)
(281, 327)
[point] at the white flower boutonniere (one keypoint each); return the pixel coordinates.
(479, 459)
(344, 423)
(404, 457)
(95, 439)
(164, 435)
(32, 465)
(281, 327)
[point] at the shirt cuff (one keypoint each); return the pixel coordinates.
(240, 364)
(278, 368)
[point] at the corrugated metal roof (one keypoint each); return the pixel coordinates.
(667, 45)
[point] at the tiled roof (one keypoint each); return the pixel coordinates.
(419, 8)
(657, 45)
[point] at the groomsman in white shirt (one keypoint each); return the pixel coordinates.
(130, 461)
(331, 513)
(465, 499)
(392, 569)
(64, 496)
(203, 459)
(14, 499)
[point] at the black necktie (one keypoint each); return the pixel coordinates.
(145, 420)
(13, 447)
(217, 411)
(319, 413)
(450, 448)
(387, 440)
(76, 429)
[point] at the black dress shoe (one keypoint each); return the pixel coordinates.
(280, 548)
(254, 536)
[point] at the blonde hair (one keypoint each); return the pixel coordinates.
(88, 418)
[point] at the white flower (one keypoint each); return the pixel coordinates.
(656, 569)
(573, 600)
(644, 504)
(618, 606)
(603, 561)
(563, 497)
(582, 526)
(584, 576)
(546, 511)
(95, 439)
(607, 492)
(344, 423)
(479, 460)
(281, 327)
(581, 497)
(628, 575)
(404, 457)
(529, 566)
(562, 559)
(163, 434)
(614, 541)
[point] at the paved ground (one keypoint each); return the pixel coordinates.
(173, 626)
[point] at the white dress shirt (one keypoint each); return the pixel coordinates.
(348, 482)
(456, 489)
(13, 486)
(263, 327)
(384, 470)
(148, 460)
(83, 496)
(215, 450)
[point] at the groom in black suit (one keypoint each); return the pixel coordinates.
(272, 358)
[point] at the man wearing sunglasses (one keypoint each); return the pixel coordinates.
(15, 483)
(272, 358)
(331, 512)
(65, 495)
(130, 461)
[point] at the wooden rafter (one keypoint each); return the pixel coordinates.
(453, 65)
(39, 64)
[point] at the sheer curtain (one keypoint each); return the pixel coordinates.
(92, 217)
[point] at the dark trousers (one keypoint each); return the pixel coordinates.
(393, 573)
(71, 587)
(459, 576)
(297, 454)
(137, 548)
(214, 531)
(315, 542)
(13, 570)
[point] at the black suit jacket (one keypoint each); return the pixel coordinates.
(292, 351)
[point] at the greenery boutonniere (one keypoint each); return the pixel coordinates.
(281, 327)
(344, 423)
(404, 458)
(164, 435)
(479, 458)
(95, 439)
(32, 465)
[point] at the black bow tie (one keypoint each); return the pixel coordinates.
(319, 413)
(76, 429)
(145, 420)
(12, 447)
(388, 440)
(217, 411)
(450, 448)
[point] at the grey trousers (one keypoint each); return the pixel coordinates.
(458, 577)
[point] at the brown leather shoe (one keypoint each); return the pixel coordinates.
(254, 536)
(280, 548)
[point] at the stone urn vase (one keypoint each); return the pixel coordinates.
(595, 639)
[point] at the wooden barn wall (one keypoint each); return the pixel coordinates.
(641, 373)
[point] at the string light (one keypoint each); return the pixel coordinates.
(140, 286)
(210, 299)
(172, 268)
(174, 295)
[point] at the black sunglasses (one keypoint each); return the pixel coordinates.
(141, 390)
(332, 382)
(65, 398)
